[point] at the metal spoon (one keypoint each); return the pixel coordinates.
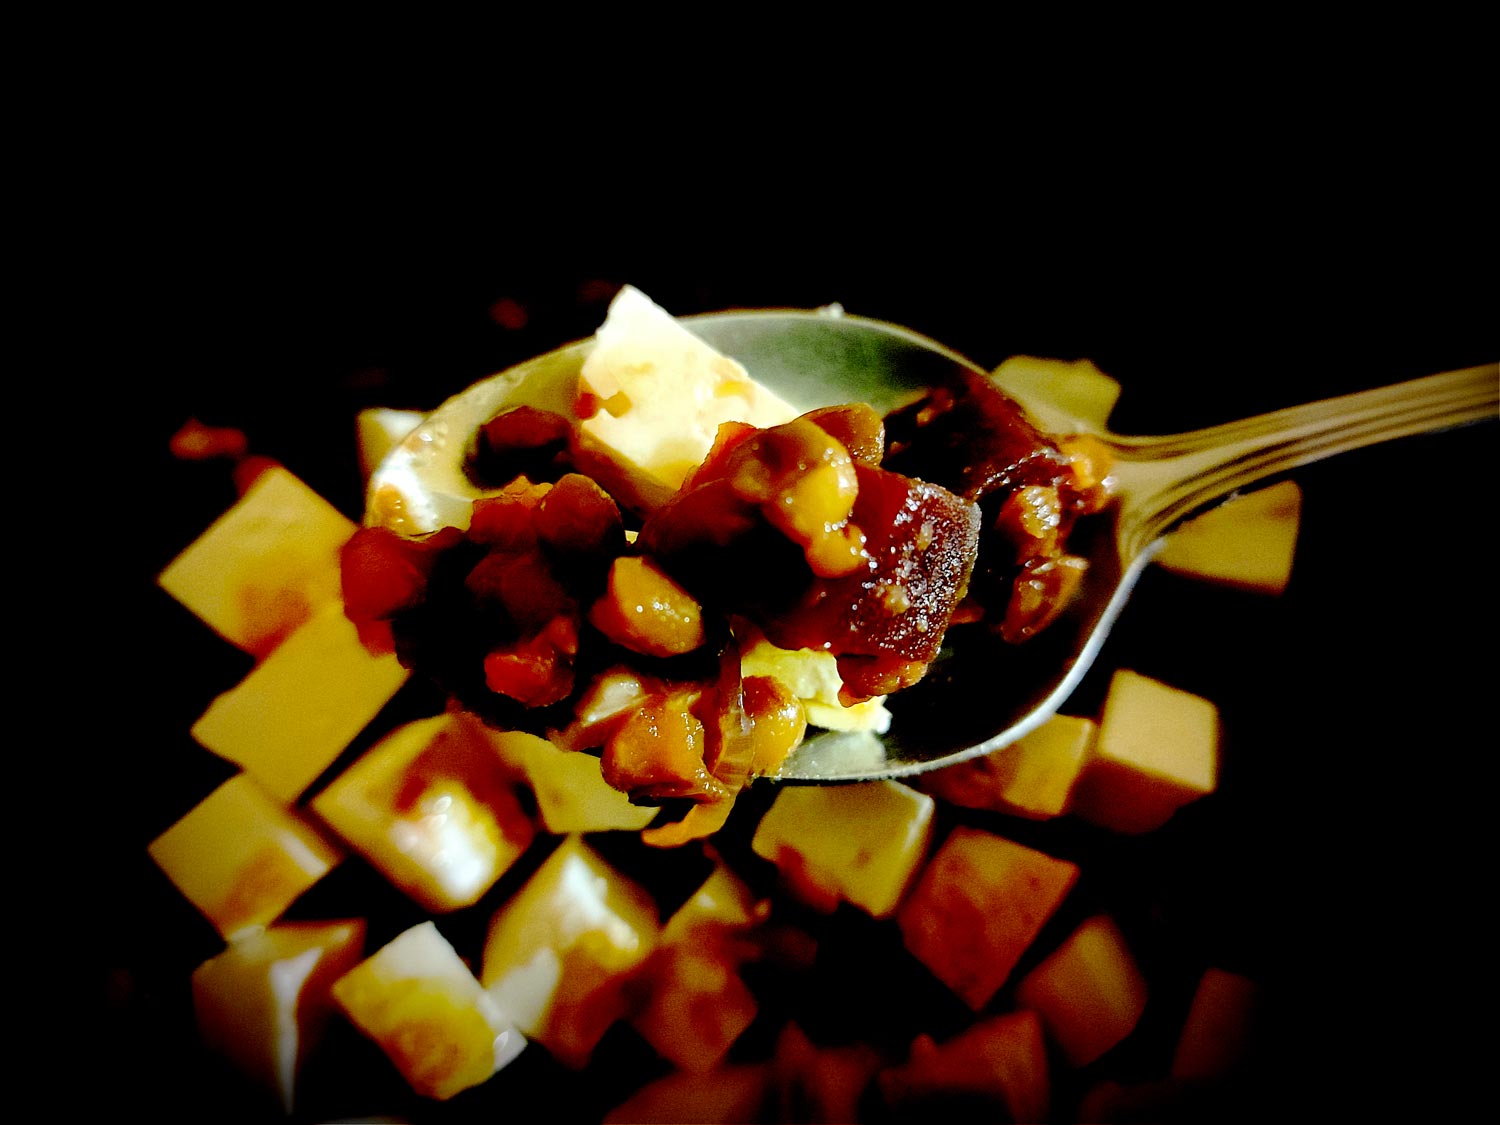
(981, 693)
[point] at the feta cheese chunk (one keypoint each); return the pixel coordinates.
(651, 395)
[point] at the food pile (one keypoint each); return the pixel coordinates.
(426, 914)
(627, 558)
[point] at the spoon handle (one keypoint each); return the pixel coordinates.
(1162, 480)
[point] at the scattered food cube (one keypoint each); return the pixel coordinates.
(725, 1096)
(266, 566)
(1247, 542)
(859, 843)
(434, 808)
(571, 793)
(1002, 1059)
(1076, 389)
(1089, 991)
(1157, 750)
(978, 906)
(811, 1082)
(264, 1002)
(417, 999)
(697, 1003)
(1032, 777)
(560, 953)
(302, 705)
(241, 857)
(1217, 1036)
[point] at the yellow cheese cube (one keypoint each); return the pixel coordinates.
(264, 567)
(241, 858)
(1032, 777)
(1002, 1059)
(1089, 991)
(1247, 542)
(978, 906)
(559, 954)
(433, 808)
(860, 843)
(1217, 1036)
(1075, 390)
(302, 705)
(418, 1000)
(1157, 750)
(697, 1003)
(264, 1001)
(571, 793)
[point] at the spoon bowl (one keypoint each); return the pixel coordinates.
(981, 693)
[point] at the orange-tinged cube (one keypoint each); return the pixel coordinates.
(858, 843)
(1218, 1034)
(265, 566)
(264, 1002)
(560, 953)
(978, 906)
(569, 786)
(417, 999)
(1032, 777)
(698, 1004)
(1247, 542)
(241, 857)
(302, 705)
(434, 808)
(1157, 750)
(1089, 991)
(1003, 1059)
(732, 1093)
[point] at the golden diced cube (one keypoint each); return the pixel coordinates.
(1032, 777)
(417, 999)
(241, 857)
(571, 793)
(1002, 1059)
(302, 705)
(264, 1002)
(559, 954)
(1157, 750)
(858, 843)
(433, 808)
(264, 567)
(1089, 991)
(978, 906)
(1247, 542)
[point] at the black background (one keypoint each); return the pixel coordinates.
(1218, 266)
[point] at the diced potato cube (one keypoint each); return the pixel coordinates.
(418, 1000)
(698, 1004)
(264, 1002)
(859, 843)
(302, 705)
(1089, 991)
(724, 1096)
(1032, 777)
(1003, 1059)
(978, 906)
(434, 808)
(571, 793)
(560, 953)
(1217, 1036)
(1247, 542)
(241, 858)
(1075, 389)
(265, 566)
(378, 430)
(1157, 750)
